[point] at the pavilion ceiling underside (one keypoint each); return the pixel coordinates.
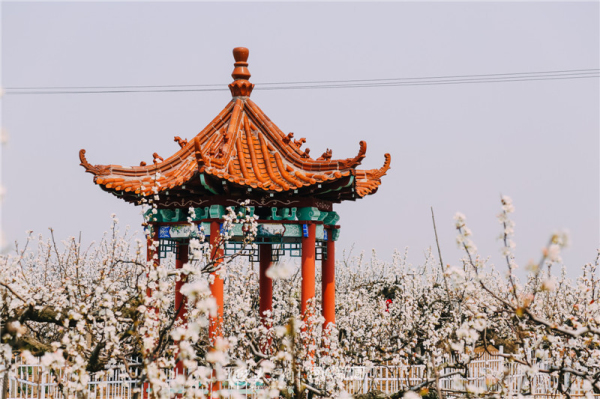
(196, 193)
(243, 149)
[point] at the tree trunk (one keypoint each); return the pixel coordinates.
(5, 383)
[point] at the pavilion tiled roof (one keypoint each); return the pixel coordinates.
(242, 148)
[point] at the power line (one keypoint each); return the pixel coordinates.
(324, 84)
(220, 85)
(425, 83)
(559, 72)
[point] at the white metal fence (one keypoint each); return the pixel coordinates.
(35, 381)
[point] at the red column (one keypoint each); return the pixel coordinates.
(328, 281)
(266, 289)
(308, 267)
(266, 283)
(180, 299)
(215, 328)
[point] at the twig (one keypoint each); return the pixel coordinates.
(440, 255)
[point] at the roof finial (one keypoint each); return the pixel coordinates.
(241, 57)
(241, 86)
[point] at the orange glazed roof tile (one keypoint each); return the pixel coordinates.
(241, 148)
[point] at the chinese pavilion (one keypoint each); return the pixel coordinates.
(241, 155)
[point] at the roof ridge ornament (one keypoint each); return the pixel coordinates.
(241, 87)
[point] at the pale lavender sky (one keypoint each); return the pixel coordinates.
(454, 147)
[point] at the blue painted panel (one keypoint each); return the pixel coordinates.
(164, 232)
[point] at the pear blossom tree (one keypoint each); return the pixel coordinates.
(88, 310)
(552, 322)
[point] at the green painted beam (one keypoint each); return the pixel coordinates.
(335, 234)
(205, 184)
(332, 218)
(308, 213)
(201, 213)
(216, 211)
(283, 213)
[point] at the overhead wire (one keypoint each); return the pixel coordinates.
(564, 71)
(322, 84)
